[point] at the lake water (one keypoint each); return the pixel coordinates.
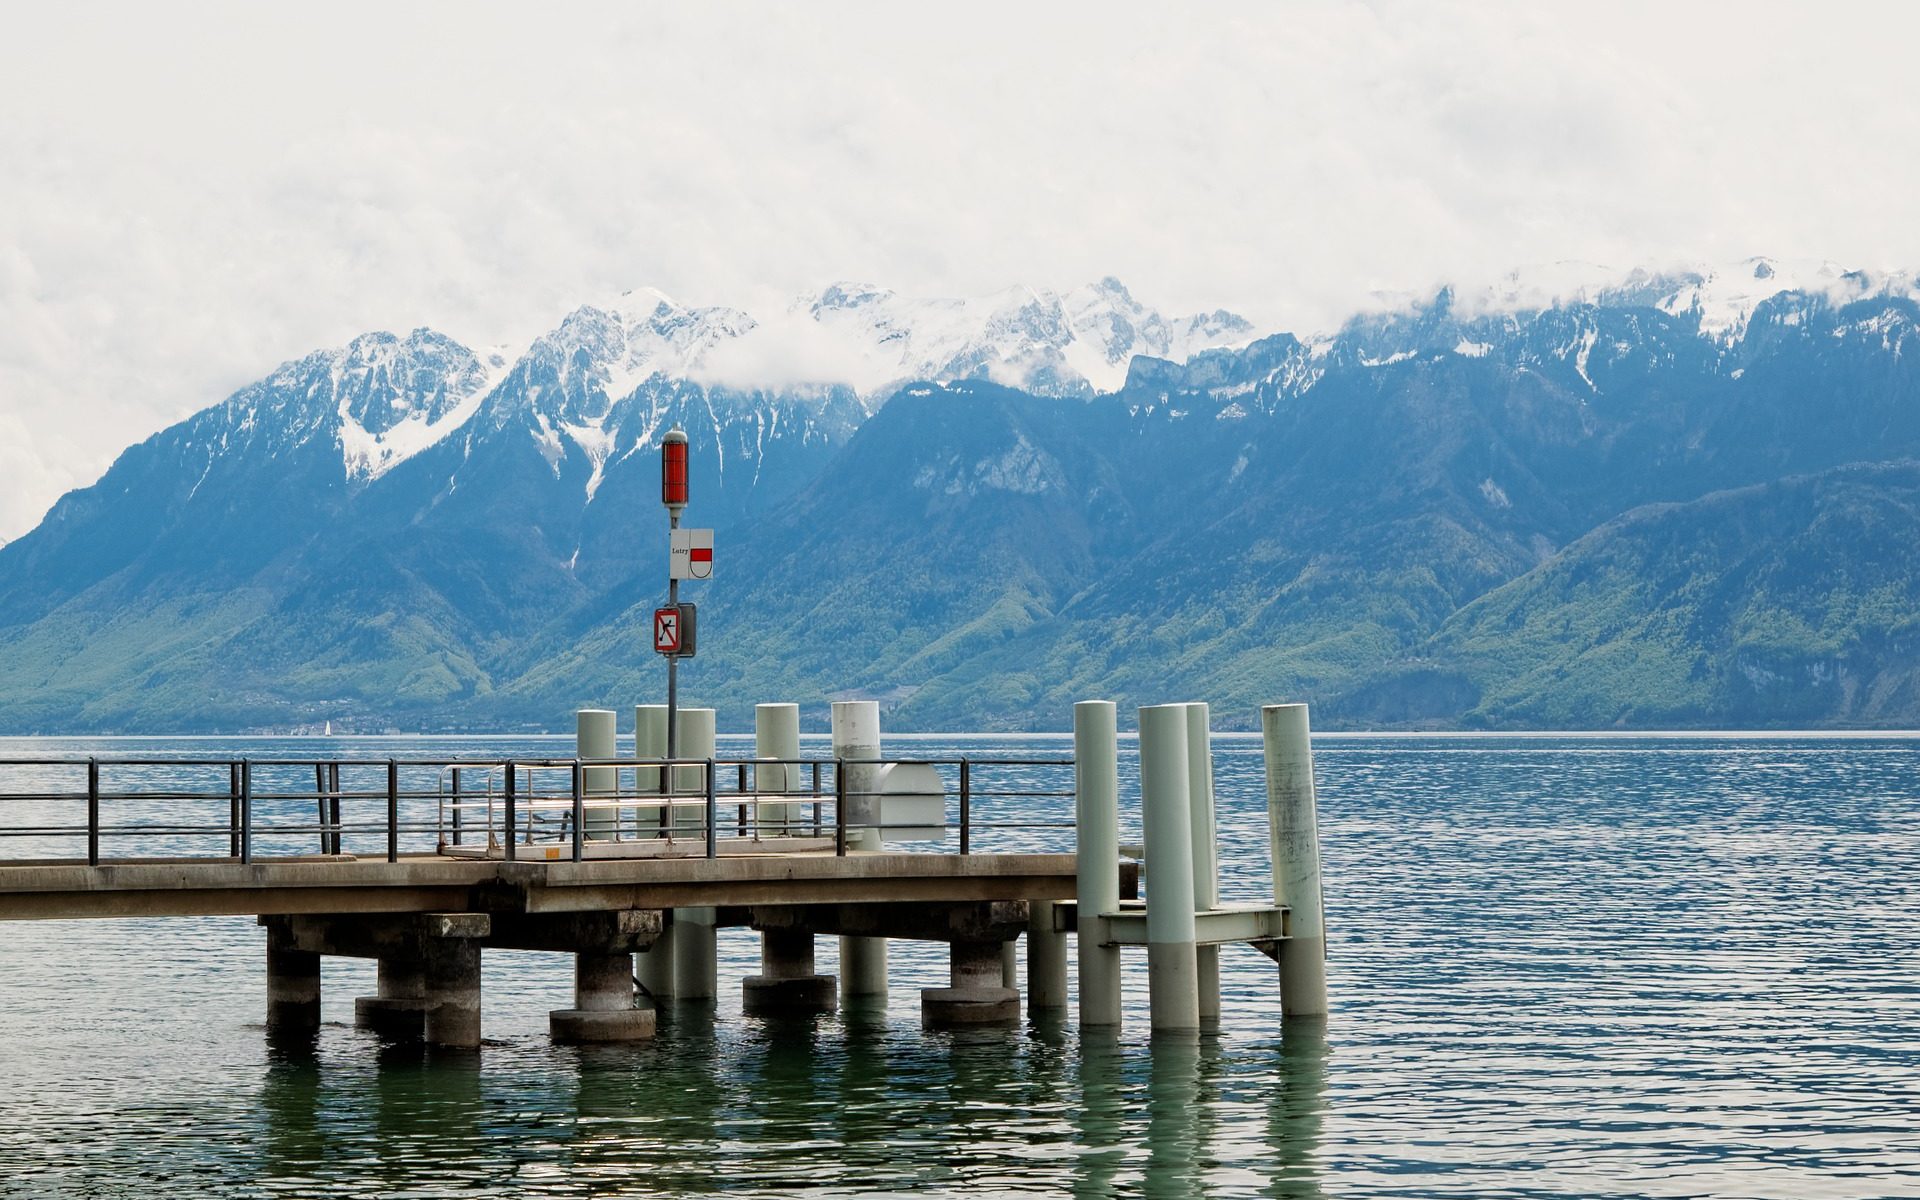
(1559, 966)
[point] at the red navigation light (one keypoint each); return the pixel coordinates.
(673, 469)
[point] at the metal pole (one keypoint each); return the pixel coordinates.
(579, 811)
(966, 807)
(246, 811)
(508, 844)
(320, 801)
(233, 810)
(93, 812)
(456, 806)
(393, 811)
(673, 660)
(713, 815)
(333, 787)
(840, 807)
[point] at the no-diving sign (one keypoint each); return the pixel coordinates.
(666, 630)
(690, 554)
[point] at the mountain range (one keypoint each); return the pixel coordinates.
(1574, 500)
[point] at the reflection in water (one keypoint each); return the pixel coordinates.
(1296, 1110)
(1174, 1106)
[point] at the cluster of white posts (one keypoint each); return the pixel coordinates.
(1184, 923)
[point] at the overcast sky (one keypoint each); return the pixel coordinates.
(189, 196)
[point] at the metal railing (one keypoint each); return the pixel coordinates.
(550, 808)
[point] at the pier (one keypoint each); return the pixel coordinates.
(631, 863)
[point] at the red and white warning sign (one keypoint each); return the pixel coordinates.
(690, 554)
(666, 630)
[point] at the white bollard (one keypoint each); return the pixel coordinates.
(1296, 858)
(595, 736)
(1206, 852)
(776, 734)
(695, 955)
(655, 964)
(649, 741)
(1096, 792)
(1172, 977)
(856, 735)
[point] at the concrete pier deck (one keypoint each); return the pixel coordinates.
(440, 884)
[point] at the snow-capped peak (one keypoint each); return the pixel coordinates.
(1723, 297)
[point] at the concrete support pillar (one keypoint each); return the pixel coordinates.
(1172, 967)
(293, 984)
(1206, 853)
(776, 734)
(603, 1003)
(1046, 960)
(397, 1009)
(696, 961)
(1096, 791)
(654, 965)
(856, 736)
(649, 741)
(1295, 831)
(1010, 964)
(595, 731)
(787, 983)
(452, 993)
(976, 995)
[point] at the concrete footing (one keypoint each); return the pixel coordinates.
(976, 995)
(787, 983)
(603, 1003)
(398, 1007)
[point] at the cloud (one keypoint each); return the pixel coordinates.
(187, 200)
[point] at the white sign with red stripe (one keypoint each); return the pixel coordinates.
(690, 554)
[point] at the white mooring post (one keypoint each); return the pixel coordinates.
(1296, 858)
(595, 736)
(655, 964)
(695, 956)
(649, 741)
(1172, 973)
(776, 734)
(1096, 805)
(856, 735)
(1206, 852)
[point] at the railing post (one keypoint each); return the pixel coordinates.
(816, 797)
(713, 815)
(456, 806)
(233, 810)
(320, 801)
(333, 791)
(966, 807)
(246, 811)
(93, 812)
(579, 811)
(840, 807)
(393, 811)
(507, 845)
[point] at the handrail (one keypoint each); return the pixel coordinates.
(521, 803)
